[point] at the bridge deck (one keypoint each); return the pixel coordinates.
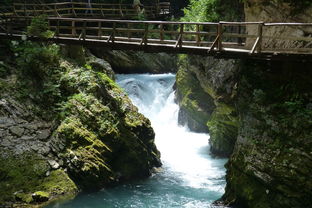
(83, 9)
(223, 39)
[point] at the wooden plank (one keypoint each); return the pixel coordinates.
(255, 45)
(161, 32)
(219, 40)
(291, 38)
(198, 35)
(214, 44)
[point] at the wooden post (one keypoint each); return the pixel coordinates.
(57, 28)
(260, 31)
(198, 35)
(84, 32)
(114, 32)
(102, 10)
(161, 32)
(144, 39)
(239, 39)
(73, 9)
(100, 30)
(129, 33)
(55, 9)
(14, 10)
(219, 44)
(25, 13)
(181, 35)
(73, 29)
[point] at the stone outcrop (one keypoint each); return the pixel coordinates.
(70, 128)
(278, 11)
(271, 162)
(127, 62)
(206, 88)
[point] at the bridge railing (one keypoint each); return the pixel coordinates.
(248, 37)
(83, 9)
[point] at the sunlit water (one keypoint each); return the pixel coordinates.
(189, 178)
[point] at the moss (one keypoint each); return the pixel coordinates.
(58, 183)
(101, 137)
(22, 197)
(193, 99)
(22, 172)
(40, 196)
(223, 127)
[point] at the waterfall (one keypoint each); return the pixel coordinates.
(185, 154)
(189, 178)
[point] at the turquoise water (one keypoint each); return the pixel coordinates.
(189, 178)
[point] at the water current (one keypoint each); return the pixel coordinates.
(189, 177)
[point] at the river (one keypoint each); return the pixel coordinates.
(189, 177)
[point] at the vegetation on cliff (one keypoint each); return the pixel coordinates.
(271, 163)
(65, 125)
(214, 11)
(264, 109)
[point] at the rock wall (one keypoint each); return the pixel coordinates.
(278, 11)
(271, 162)
(127, 62)
(206, 88)
(66, 126)
(263, 109)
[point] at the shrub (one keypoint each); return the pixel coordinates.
(39, 27)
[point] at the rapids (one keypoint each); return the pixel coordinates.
(189, 177)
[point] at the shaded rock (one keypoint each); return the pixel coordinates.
(206, 90)
(127, 62)
(53, 164)
(17, 131)
(40, 196)
(24, 197)
(44, 134)
(273, 144)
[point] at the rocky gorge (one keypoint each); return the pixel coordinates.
(258, 113)
(65, 126)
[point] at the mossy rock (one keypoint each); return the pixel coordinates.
(223, 130)
(98, 136)
(197, 104)
(40, 196)
(20, 172)
(25, 198)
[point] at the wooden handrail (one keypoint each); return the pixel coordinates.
(209, 36)
(73, 8)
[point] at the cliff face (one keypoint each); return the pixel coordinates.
(127, 62)
(65, 126)
(279, 11)
(271, 162)
(263, 110)
(206, 90)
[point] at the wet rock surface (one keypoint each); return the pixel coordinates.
(76, 131)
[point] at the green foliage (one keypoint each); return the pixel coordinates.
(39, 27)
(39, 73)
(213, 10)
(3, 70)
(22, 172)
(201, 11)
(297, 4)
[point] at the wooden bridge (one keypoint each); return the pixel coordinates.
(83, 9)
(223, 39)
